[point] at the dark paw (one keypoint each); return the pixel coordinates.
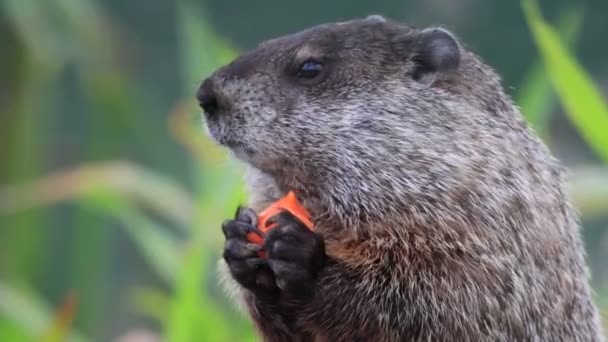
(247, 268)
(295, 254)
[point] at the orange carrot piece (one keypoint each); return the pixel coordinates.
(290, 203)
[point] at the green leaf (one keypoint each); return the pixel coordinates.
(579, 96)
(194, 315)
(9, 331)
(535, 97)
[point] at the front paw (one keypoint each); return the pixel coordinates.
(295, 254)
(242, 256)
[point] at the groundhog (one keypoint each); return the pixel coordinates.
(439, 215)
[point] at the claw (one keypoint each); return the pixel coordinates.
(249, 218)
(247, 215)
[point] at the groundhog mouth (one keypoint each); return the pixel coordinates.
(218, 134)
(238, 149)
(242, 152)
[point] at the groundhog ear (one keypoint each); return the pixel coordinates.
(437, 51)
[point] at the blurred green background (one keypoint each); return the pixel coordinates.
(111, 196)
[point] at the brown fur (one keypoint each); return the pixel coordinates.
(444, 217)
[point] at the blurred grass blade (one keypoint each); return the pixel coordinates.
(31, 313)
(150, 302)
(159, 248)
(32, 22)
(62, 322)
(156, 191)
(535, 97)
(192, 137)
(192, 318)
(24, 308)
(201, 50)
(90, 31)
(31, 67)
(9, 331)
(194, 314)
(580, 97)
(109, 188)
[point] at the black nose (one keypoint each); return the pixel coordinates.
(207, 98)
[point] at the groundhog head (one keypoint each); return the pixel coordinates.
(368, 108)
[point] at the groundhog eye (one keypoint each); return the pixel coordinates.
(310, 69)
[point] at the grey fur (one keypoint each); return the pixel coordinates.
(445, 214)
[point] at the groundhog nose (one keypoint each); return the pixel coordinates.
(207, 98)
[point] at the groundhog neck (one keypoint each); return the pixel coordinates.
(348, 206)
(328, 205)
